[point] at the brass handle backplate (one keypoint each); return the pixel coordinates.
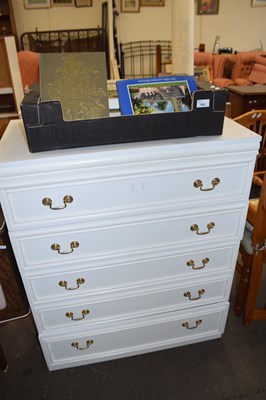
(70, 315)
(49, 203)
(191, 263)
(73, 245)
(195, 228)
(76, 345)
(198, 184)
(200, 293)
(79, 282)
(197, 323)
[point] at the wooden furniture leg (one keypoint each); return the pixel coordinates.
(158, 60)
(243, 284)
(3, 362)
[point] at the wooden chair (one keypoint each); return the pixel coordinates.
(252, 251)
(256, 121)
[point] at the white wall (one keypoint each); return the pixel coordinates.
(239, 25)
(60, 17)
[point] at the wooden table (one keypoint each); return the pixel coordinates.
(246, 98)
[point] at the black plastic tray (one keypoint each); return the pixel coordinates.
(46, 129)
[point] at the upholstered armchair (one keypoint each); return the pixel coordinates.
(243, 67)
(29, 67)
(222, 69)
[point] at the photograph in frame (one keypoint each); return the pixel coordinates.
(202, 73)
(207, 7)
(258, 3)
(62, 2)
(129, 6)
(83, 3)
(152, 3)
(29, 4)
(155, 95)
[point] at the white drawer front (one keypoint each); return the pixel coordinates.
(123, 194)
(134, 305)
(132, 237)
(134, 337)
(113, 277)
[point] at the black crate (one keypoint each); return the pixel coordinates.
(46, 129)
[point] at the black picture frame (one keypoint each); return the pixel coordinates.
(83, 3)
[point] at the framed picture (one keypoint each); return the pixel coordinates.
(152, 3)
(202, 73)
(83, 3)
(62, 2)
(155, 95)
(258, 3)
(208, 7)
(129, 6)
(37, 3)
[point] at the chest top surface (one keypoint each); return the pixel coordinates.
(14, 152)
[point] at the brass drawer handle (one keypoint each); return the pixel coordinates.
(204, 261)
(88, 344)
(198, 184)
(70, 314)
(195, 228)
(73, 245)
(200, 293)
(79, 282)
(48, 202)
(197, 323)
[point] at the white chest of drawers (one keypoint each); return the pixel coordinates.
(126, 249)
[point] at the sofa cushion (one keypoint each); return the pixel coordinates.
(260, 59)
(242, 82)
(258, 74)
(223, 82)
